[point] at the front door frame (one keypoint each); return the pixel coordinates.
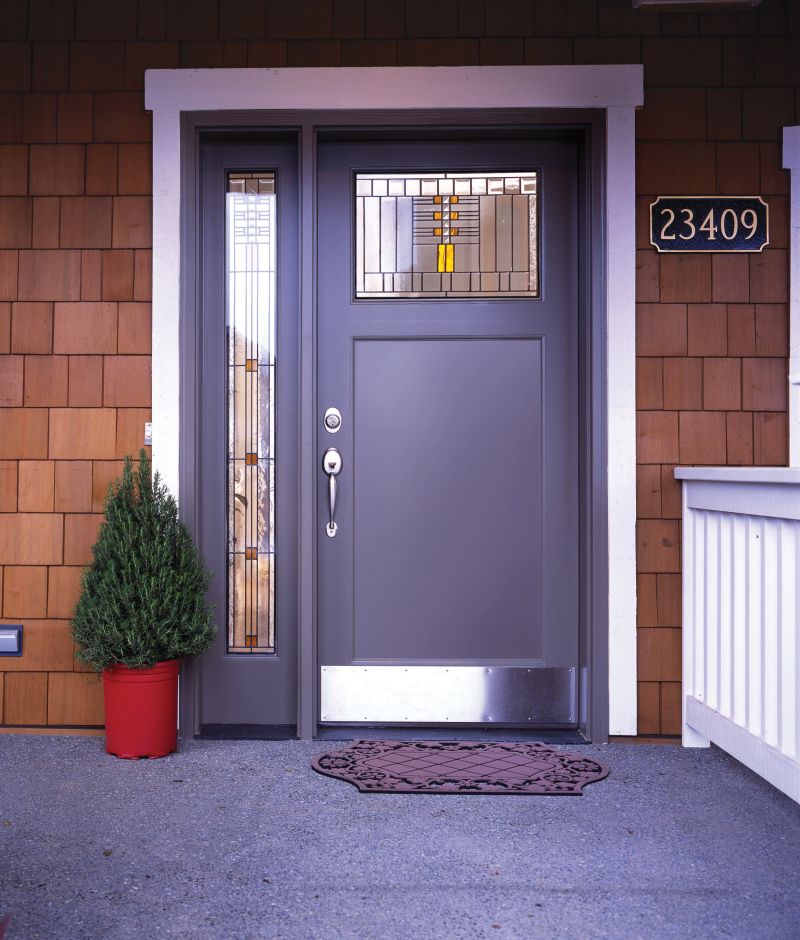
(603, 97)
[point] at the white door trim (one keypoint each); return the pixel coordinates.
(616, 89)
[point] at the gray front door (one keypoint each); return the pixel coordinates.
(448, 587)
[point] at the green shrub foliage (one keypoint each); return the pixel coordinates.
(143, 597)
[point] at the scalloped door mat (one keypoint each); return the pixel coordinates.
(459, 767)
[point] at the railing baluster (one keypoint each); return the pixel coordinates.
(700, 678)
(724, 621)
(787, 641)
(712, 610)
(769, 601)
(738, 677)
(756, 629)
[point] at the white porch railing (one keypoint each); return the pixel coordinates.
(741, 603)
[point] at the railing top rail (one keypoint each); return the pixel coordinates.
(783, 475)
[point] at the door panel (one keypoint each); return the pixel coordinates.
(247, 418)
(458, 498)
(448, 471)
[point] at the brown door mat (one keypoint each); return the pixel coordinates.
(459, 767)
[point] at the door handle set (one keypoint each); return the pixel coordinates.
(332, 465)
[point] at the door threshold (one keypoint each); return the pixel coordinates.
(417, 733)
(247, 733)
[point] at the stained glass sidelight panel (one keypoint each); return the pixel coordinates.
(250, 320)
(447, 235)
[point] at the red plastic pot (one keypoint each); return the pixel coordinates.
(142, 710)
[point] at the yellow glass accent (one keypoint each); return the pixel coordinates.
(437, 215)
(437, 231)
(454, 199)
(454, 231)
(251, 365)
(445, 254)
(437, 199)
(453, 215)
(251, 459)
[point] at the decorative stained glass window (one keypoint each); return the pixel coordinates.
(250, 318)
(446, 235)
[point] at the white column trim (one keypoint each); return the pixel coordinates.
(621, 419)
(791, 162)
(616, 88)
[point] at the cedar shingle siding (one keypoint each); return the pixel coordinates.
(75, 261)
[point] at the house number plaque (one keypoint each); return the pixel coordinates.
(709, 223)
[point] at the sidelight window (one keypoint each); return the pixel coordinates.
(250, 321)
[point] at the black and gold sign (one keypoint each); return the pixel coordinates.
(709, 223)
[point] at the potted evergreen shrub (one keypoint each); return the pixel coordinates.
(142, 608)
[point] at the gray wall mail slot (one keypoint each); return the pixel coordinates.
(11, 640)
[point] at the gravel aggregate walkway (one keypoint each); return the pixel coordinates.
(241, 839)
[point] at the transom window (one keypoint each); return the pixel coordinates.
(446, 235)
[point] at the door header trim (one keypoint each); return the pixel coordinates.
(615, 89)
(336, 89)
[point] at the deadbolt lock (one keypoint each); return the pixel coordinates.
(332, 420)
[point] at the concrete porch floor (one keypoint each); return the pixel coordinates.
(231, 839)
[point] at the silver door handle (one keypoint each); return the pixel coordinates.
(332, 465)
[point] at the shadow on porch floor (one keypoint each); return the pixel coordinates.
(241, 839)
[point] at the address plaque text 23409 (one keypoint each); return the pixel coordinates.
(709, 223)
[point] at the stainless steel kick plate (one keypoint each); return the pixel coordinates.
(441, 694)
